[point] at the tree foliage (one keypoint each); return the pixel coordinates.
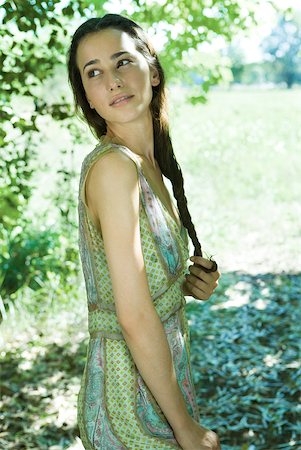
(282, 48)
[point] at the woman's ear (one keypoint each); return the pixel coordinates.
(91, 104)
(155, 77)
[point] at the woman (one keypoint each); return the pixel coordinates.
(137, 390)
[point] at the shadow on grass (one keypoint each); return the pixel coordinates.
(244, 354)
(39, 391)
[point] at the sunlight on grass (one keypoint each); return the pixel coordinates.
(238, 295)
(272, 360)
(241, 163)
(76, 446)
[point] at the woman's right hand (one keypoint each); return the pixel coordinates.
(196, 437)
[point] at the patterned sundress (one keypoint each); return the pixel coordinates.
(115, 408)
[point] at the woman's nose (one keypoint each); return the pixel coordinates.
(114, 82)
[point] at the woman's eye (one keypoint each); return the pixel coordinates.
(123, 62)
(93, 73)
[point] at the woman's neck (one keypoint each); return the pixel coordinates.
(139, 138)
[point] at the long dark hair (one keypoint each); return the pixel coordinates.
(163, 148)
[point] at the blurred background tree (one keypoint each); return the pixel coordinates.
(283, 49)
(280, 61)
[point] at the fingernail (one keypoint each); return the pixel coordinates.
(191, 258)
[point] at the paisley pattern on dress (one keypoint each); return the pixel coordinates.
(115, 408)
(94, 422)
(165, 241)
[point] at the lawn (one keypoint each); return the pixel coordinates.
(241, 161)
(240, 156)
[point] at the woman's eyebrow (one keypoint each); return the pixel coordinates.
(114, 56)
(93, 61)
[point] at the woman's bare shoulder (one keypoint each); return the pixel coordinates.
(112, 175)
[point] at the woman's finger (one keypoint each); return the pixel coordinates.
(201, 261)
(197, 282)
(198, 293)
(209, 278)
(208, 266)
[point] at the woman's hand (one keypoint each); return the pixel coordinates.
(196, 437)
(200, 284)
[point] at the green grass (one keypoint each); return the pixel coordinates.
(240, 155)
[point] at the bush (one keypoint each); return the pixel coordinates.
(36, 259)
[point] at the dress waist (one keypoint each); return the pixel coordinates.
(104, 322)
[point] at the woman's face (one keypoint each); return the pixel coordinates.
(116, 77)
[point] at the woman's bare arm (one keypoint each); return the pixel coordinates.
(113, 194)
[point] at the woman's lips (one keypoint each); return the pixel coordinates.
(121, 100)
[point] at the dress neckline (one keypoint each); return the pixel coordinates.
(178, 224)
